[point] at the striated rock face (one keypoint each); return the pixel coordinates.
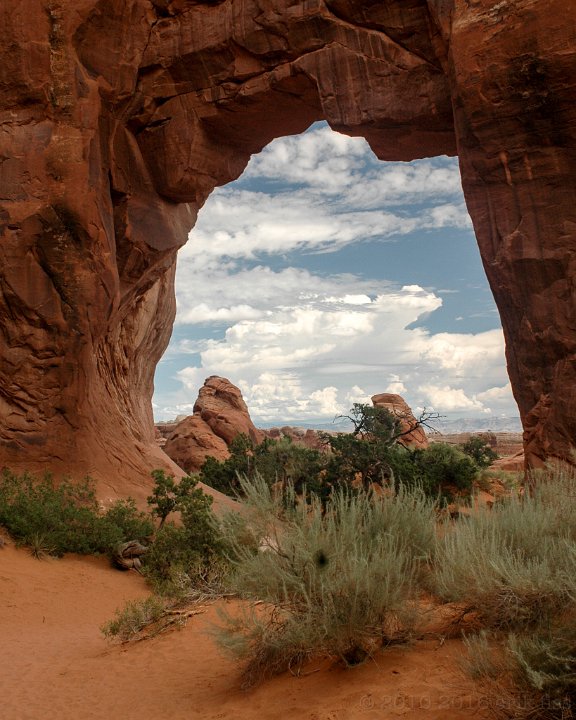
(220, 414)
(397, 406)
(118, 118)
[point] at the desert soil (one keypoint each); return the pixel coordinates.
(56, 663)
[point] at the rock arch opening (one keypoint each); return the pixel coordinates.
(118, 119)
(324, 276)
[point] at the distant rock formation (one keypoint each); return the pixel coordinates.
(192, 441)
(219, 415)
(514, 463)
(221, 406)
(301, 436)
(397, 406)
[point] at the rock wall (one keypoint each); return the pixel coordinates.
(118, 118)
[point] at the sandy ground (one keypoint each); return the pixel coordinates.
(56, 663)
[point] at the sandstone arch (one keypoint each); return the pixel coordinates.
(118, 117)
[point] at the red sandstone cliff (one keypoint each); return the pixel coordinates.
(118, 118)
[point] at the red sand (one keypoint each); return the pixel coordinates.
(56, 664)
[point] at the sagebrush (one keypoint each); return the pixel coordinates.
(134, 617)
(335, 579)
(516, 566)
(512, 564)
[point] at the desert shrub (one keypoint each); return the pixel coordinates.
(440, 470)
(274, 460)
(59, 517)
(182, 554)
(371, 454)
(39, 546)
(511, 481)
(335, 580)
(169, 496)
(133, 617)
(545, 662)
(480, 451)
(481, 661)
(171, 561)
(131, 523)
(445, 469)
(219, 475)
(376, 457)
(375, 423)
(355, 461)
(554, 491)
(512, 564)
(222, 475)
(283, 461)
(527, 674)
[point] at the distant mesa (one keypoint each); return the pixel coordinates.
(475, 425)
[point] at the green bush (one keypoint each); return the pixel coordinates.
(337, 580)
(371, 454)
(357, 461)
(444, 469)
(182, 554)
(480, 451)
(56, 518)
(131, 523)
(170, 496)
(375, 423)
(274, 460)
(440, 470)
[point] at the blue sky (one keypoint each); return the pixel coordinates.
(323, 276)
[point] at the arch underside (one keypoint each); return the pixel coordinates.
(119, 119)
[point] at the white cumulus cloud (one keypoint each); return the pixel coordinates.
(448, 399)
